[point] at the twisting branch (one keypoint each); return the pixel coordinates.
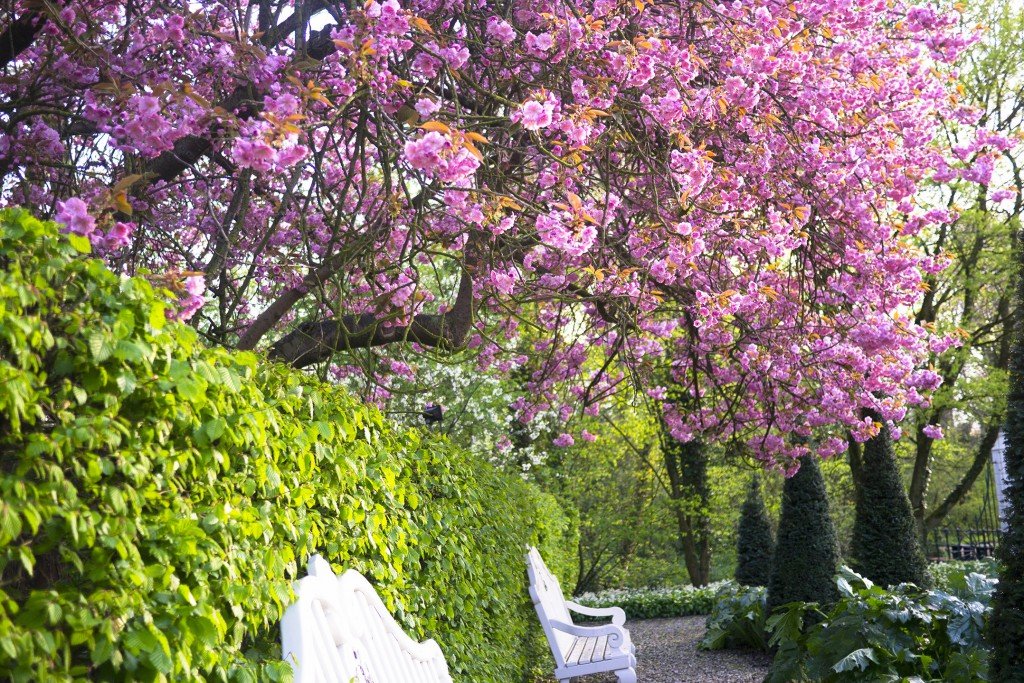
(317, 341)
(19, 35)
(244, 100)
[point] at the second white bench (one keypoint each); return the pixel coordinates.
(579, 650)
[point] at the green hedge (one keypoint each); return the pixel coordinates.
(652, 603)
(157, 498)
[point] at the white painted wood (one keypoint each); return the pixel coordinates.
(579, 650)
(339, 631)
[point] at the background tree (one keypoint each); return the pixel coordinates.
(973, 296)
(806, 551)
(755, 545)
(885, 544)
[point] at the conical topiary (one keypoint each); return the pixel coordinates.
(806, 552)
(755, 543)
(885, 545)
(1006, 625)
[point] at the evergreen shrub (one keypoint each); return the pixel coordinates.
(158, 498)
(885, 546)
(754, 542)
(806, 551)
(1006, 632)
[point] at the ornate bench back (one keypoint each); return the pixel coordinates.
(339, 631)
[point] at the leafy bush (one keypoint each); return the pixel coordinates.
(873, 634)
(651, 603)
(738, 619)
(945, 575)
(158, 497)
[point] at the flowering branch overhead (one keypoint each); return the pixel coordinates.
(580, 191)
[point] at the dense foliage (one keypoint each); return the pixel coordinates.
(1007, 629)
(651, 603)
(739, 619)
(755, 544)
(729, 187)
(806, 551)
(873, 634)
(885, 547)
(157, 497)
(948, 576)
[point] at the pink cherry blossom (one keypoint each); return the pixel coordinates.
(74, 213)
(535, 115)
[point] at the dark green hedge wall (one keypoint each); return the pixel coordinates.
(157, 498)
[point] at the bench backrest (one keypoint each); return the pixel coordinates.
(339, 631)
(550, 604)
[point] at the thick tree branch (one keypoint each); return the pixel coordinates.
(244, 101)
(317, 341)
(19, 35)
(282, 304)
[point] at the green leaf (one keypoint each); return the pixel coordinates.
(858, 660)
(214, 428)
(98, 346)
(157, 315)
(80, 243)
(28, 560)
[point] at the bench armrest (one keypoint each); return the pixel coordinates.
(616, 613)
(617, 636)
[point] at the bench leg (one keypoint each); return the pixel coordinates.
(626, 676)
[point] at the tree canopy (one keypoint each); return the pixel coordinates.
(579, 191)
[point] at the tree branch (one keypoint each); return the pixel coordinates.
(317, 341)
(19, 35)
(981, 458)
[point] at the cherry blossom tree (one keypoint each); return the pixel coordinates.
(583, 192)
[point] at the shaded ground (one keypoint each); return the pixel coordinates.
(666, 651)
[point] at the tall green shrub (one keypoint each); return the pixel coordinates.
(885, 546)
(157, 498)
(755, 544)
(1006, 627)
(806, 552)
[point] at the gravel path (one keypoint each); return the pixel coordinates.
(666, 652)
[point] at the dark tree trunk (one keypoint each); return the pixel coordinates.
(687, 467)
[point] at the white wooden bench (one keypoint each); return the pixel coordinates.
(338, 631)
(579, 650)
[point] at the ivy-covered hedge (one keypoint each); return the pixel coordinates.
(157, 498)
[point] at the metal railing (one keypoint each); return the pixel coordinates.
(955, 543)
